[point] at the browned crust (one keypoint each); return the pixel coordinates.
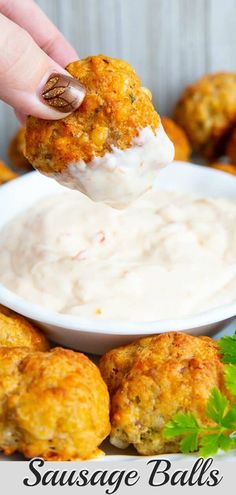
(113, 111)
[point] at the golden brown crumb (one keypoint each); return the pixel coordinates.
(225, 167)
(154, 378)
(113, 112)
(53, 405)
(17, 331)
(178, 137)
(16, 151)
(207, 112)
(6, 173)
(231, 147)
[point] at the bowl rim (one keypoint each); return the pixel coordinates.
(115, 327)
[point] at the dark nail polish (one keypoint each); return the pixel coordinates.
(63, 93)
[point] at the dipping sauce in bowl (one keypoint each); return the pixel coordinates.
(168, 255)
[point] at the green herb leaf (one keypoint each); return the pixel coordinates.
(225, 442)
(182, 423)
(230, 378)
(209, 445)
(216, 406)
(228, 349)
(189, 443)
(229, 420)
(233, 439)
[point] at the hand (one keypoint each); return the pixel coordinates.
(32, 56)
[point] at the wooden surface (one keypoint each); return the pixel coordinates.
(169, 42)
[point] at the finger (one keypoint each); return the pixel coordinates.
(32, 82)
(29, 16)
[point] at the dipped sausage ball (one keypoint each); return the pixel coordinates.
(179, 139)
(154, 378)
(6, 173)
(231, 147)
(53, 405)
(16, 331)
(111, 146)
(16, 151)
(224, 167)
(207, 112)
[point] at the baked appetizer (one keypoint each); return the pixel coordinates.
(179, 139)
(53, 405)
(231, 147)
(16, 151)
(16, 331)
(6, 173)
(111, 147)
(224, 167)
(154, 378)
(207, 112)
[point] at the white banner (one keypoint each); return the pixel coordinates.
(107, 478)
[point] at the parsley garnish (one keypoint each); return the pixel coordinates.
(223, 414)
(230, 378)
(228, 349)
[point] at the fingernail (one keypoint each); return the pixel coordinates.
(63, 93)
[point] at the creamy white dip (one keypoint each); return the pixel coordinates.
(167, 255)
(121, 176)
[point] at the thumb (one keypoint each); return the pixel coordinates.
(32, 82)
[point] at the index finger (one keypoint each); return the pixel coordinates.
(29, 16)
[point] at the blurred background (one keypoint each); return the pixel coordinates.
(170, 43)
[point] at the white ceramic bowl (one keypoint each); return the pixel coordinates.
(98, 336)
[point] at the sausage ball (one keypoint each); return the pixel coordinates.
(154, 378)
(207, 112)
(179, 139)
(112, 145)
(231, 147)
(10, 359)
(224, 167)
(53, 405)
(6, 173)
(16, 151)
(16, 331)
